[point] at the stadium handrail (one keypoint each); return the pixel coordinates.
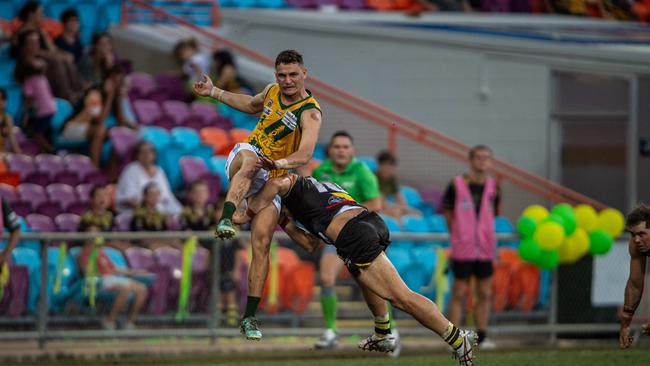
(388, 119)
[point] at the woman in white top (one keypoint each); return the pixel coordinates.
(139, 173)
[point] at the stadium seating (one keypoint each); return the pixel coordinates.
(67, 222)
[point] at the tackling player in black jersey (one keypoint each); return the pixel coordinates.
(330, 215)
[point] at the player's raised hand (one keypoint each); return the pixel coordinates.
(204, 86)
(625, 339)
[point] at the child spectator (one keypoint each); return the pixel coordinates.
(39, 106)
(69, 40)
(115, 280)
(199, 215)
(7, 134)
(194, 64)
(393, 202)
(87, 124)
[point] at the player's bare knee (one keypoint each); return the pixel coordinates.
(261, 247)
(485, 294)
(327, 279)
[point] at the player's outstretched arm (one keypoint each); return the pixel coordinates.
(633, 293)
(306, 240)
(242, 102)
(310, 122)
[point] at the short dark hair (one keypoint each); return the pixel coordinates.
(198, 182)
(150, 186)
(641, 213)
(477, 148)
(139, 146)
(68, 14)
(341, 134)
(289, 57)
(386, 157)
(3, 93)
(96, 189)
(28, 9)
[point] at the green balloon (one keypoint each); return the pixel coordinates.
(548, 259)
(526, 227)
(565, 211)
(529, 250)
(555, 218)
(600, 242)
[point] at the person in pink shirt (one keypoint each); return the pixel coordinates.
(39, 104)
(470, 204)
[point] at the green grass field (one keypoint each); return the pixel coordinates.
(586, 357)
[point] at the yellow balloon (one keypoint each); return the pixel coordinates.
(612, 221)
(574, 247)
(549, 235)
(536, 212)
(586, 217)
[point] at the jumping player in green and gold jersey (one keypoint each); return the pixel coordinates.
(285, 137)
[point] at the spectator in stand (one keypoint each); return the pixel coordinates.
(199, 215)
(10, 222)
(69, 40)
(389, 187)
(122, 109)
(147, 217)
(138, 174)
(39, 105)
(61, 71)
(357, 179)
(87, 124)
(99, 59)
(194, 64)
(7, 135)
(98, 215)
(470, 203)
(115, 280)
(228, 77)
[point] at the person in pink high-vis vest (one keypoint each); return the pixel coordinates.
(470, 204)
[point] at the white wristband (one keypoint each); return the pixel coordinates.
(281, 164)
(218, 97)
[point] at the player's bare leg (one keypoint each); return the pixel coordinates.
(330, 267)
(382, 340)
(262, 228)
(484, 292)
(242, 171)
(458, 300)
(381, 278)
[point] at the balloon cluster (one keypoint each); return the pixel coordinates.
(566, 234)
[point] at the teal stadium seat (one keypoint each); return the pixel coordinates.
(185, 138)
(217, 165)
(157, 136)
(369, 161)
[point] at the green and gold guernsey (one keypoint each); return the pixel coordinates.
(278, 132)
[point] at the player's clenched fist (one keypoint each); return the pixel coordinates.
(204, 86)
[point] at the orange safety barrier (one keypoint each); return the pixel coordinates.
(218, 138)
(299, 288)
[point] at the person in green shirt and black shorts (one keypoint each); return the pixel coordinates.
(341, 167)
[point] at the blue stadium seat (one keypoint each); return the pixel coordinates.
(425, 256)
(14, 101)
(320, 152)
(7, 66)
(400, 257)
(157, 136)
(271, 4)
(504, 226)
(69, 275)
(169, 160)
(54, 8)
(31, 259)
(244, 4)
(392, 223)
(31, 244)
(217, 165)
(88, 16)
(185, 138)
(415, 278)
(109, 13)
(416, 224)
(6, 9)
(369, 161)
(412, 196)
(204, 152)
(116, 257)
(64, 111)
